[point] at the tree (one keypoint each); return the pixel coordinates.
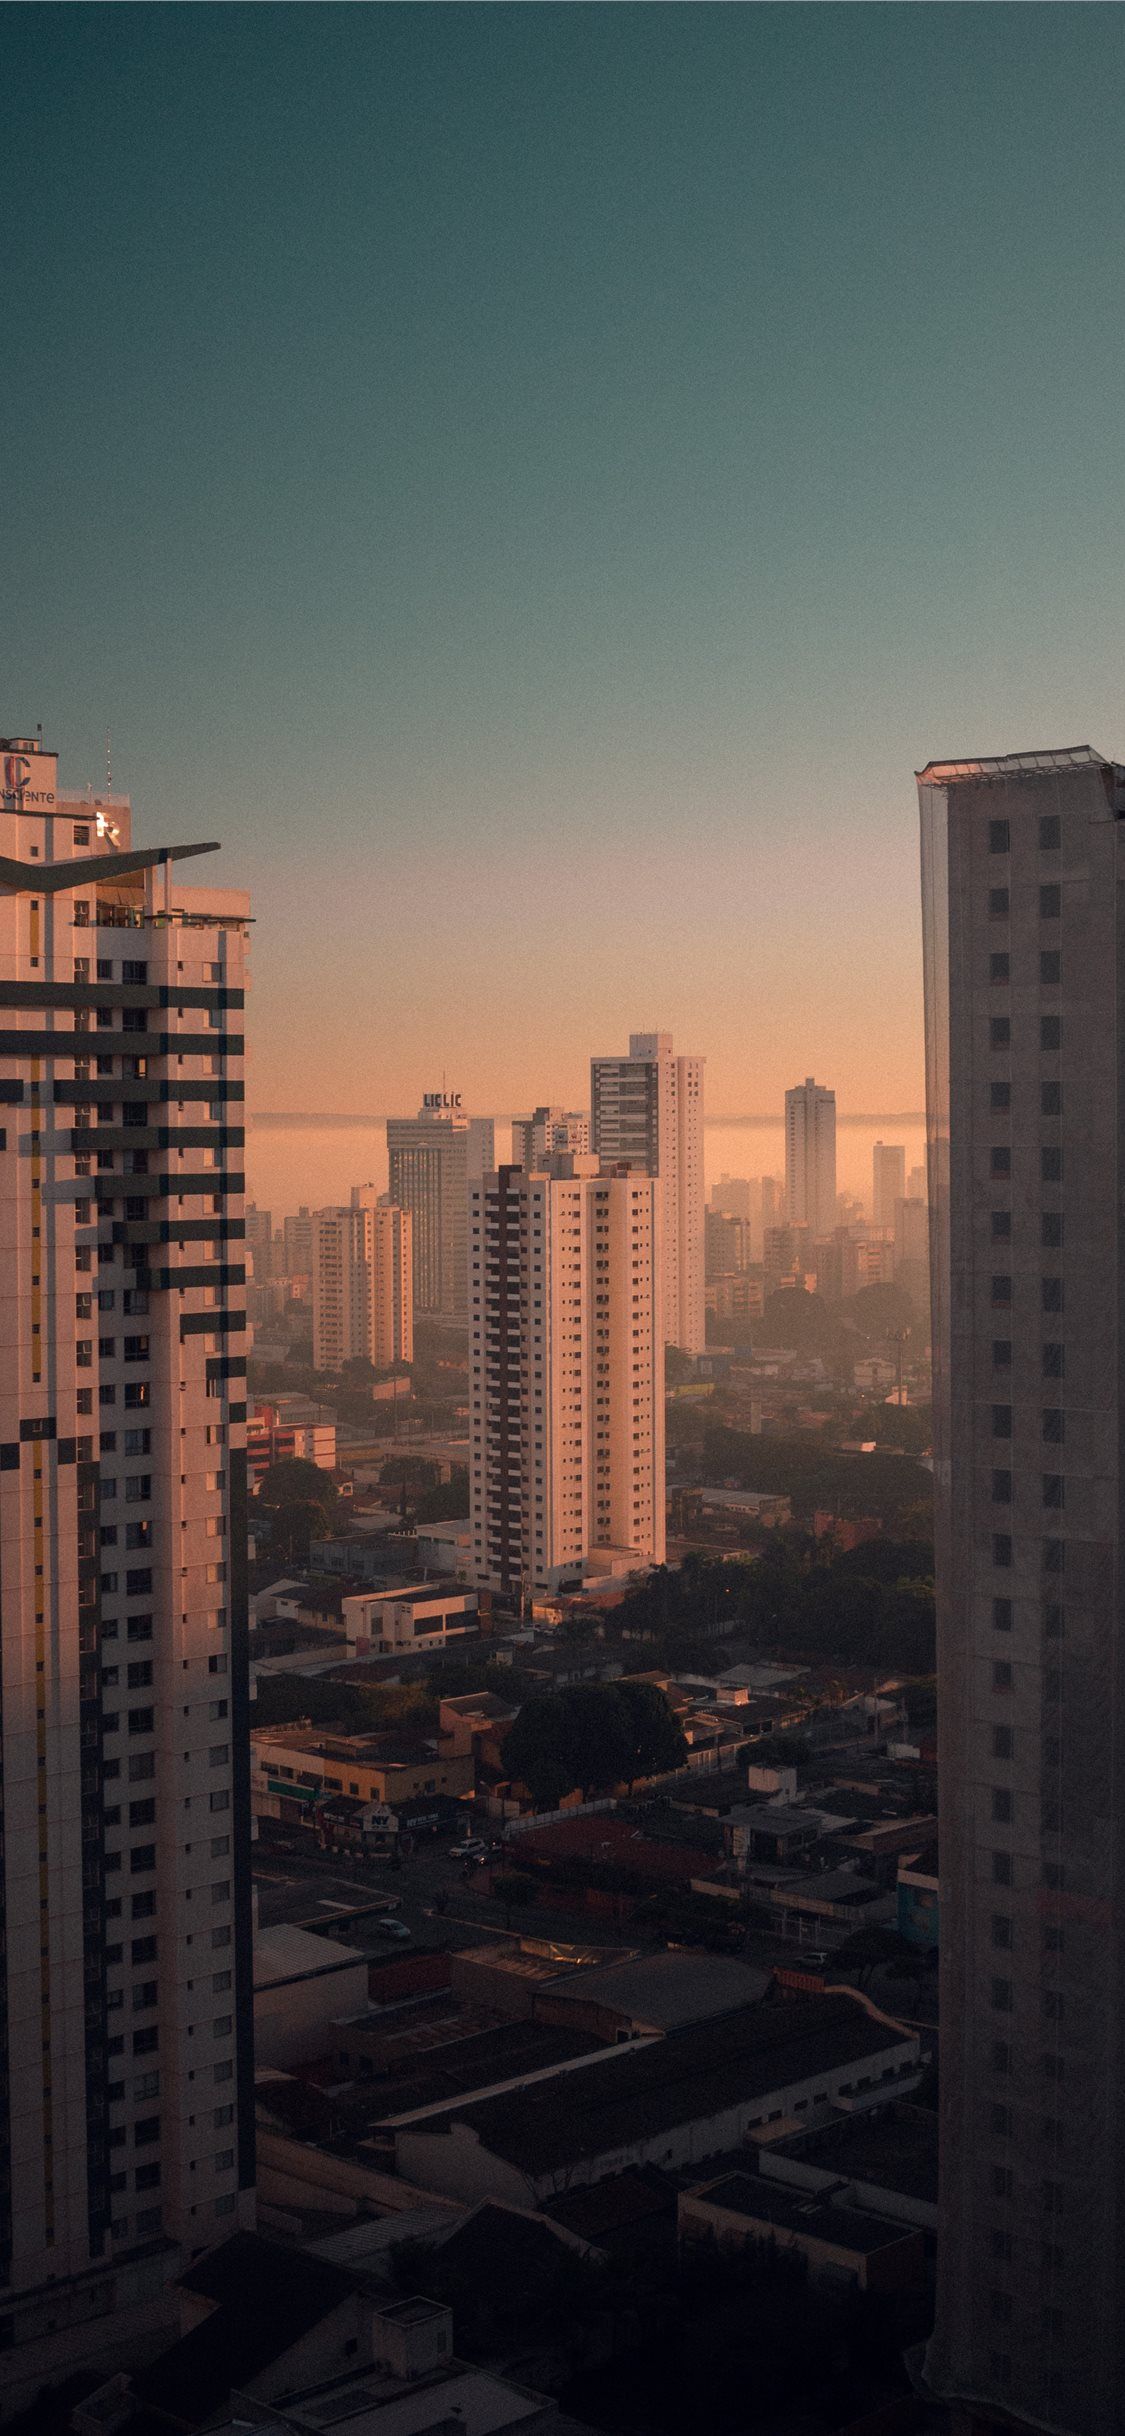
(590, 1736)
(302, 1501)
(514, 1892)
(656, 1744)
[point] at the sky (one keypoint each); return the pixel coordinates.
(537, 481)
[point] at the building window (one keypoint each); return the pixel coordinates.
(1050, 967)
(1001, 1548)
(1002, 1805)
(1001, 1488)
(997, 903)
(1001, 1353)
(1001, 1420)
(1001, 1996)
(1001, 1293)
(1054, 1361)
(1000, 1097)
(999, 837)
(1002, 1611)
(1051, 1294)
(1054, 1556)
(1051, 1165)
(1050, 1031)
(998, 967)
(1002, 1876)
(1050, 830)
(1050, 1099)
(1001, 1226)
(1054, 1489)
(999, 1032)
(1053, 1622)
(1002, 1682)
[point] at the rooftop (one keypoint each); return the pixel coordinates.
(763, 2202)
(574, 2118)
(1014, 765)
(895, 2146)
(266, 2297)
(668, 1991)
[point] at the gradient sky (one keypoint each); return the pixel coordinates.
(537, 481)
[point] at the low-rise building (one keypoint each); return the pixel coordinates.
(302, 1763)
(289, 1427)
(302, 1982)
(417, 1616)
(839, 2243)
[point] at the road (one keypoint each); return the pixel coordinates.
(317, 1889)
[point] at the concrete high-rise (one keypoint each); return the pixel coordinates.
(546, 1131)
(431, 1159)
(647, 1110)
(566, 1362)
(126, 2087)
(1023, 872)
(888, 1181)
(810, 1157)
(362, 1283)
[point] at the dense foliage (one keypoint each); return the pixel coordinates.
(590, 1736)
(871, 1607)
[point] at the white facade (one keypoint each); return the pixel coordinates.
(647, 1111)
(810, 1157)
(420, 1618)
(362, 1283)
(888, 1181)
(126, 1957)
(566, 1374)
(546, 1131)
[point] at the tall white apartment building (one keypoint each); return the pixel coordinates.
(647, 1110)
(566, 1355)
(432, 1158)
(126, 2078)
(546, 1131)
(1023, 886)
(810, 1157)
(888, 1182)
(362, 1283)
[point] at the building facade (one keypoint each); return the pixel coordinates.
(546, 1131)
(126, 2093)
(1023, 861)
(647, 1110)
(810, 1157)
(888, 1181)
(432, 1158)
(362, 1283)
(566, 1364)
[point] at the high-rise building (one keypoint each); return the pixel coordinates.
(888, 1181)
(296, 1243)
(362, 1283)
(546, 1131)
(912, 1253)
(810, 1157)
(916, 1184)
(259, 1243)
(727, 1242)
(566, 1358)
(126, 2077)
(1023, 864)
(731, 1197)
(429, 1160)
(647, 1110)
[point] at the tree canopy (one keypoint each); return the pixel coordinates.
(588, 1737)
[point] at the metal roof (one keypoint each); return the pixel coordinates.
(1014, 765)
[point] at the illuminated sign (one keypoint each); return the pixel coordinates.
(433, 1101)
(27, 781)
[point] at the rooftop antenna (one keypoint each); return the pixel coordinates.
(108, 761)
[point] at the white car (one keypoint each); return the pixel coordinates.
(474, 1850)
(392, 1928)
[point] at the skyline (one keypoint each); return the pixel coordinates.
(473, 470)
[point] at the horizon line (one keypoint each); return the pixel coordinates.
(302, 1120)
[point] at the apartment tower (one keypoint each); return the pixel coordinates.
(647, 1110)
(566, 1359)
(1023, 867)
(546, 1131)
(126, 2081)
(432, 1158)
(888, 1182)
(810, 1157)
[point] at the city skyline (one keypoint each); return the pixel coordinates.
(636, 512)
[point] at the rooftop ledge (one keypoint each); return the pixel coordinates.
(1008, 765)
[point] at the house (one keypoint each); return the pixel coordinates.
(839, 2243)
(418, 1616)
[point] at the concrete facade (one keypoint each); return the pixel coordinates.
(647, 1111)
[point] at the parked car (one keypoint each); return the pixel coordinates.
(474, 1850)
(392, 1928)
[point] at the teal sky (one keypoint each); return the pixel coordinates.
(537, 480)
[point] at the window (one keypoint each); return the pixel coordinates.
(1002, 1740)
(1050, 902)
(997, 903)
(1001, 1996)
(1001, 1353)
(1002, 1681)
(1054, 1489)
(1000, 1160)
(1001, 1420)
(998, 837)
(1001, 1226)
(1001, 1614)
(1001, 2243)
(1054, 1556)
(1050, 830)
(1054, 1361)
(1050, 1031)
(1000, 1096)
(1050, 966)
(999, 1032)
(132, 971)
(1001, 1293)
(998, 969)
(1001, 1488)
(1001, 2182)
(1001, 1548)
(1053, 1620)
(1002, 1805)
(1001, 1872)
(1050, 1099)
(141, 1721)
(1051, 1293)
(1051, 1165)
